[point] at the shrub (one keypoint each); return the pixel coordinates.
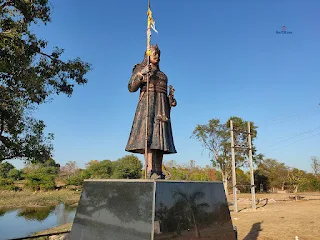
(41, 178)
(77, 178)
(14, 174)
(7, 184)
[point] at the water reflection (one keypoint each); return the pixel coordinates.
(2, 212)
(192, 211)
(122, 210)
(22, 222)
(38, 214)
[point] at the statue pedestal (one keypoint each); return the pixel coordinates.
(152, 209)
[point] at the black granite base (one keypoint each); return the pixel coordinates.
(152, 209)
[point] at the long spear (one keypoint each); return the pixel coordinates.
(147, 113)
(151, 24)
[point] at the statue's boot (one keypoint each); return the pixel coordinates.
(155, 175)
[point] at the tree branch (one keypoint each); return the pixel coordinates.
(207, 145)
(7, 3)
(9, 157)
(49, 56)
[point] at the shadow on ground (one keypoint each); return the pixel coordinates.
(254, 232)
(258, 201)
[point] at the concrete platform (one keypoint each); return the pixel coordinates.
(152, 209)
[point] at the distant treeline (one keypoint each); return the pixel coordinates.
(272, 175)
(269, 174)
(49, 175)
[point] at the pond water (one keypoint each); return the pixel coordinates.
(16, 223)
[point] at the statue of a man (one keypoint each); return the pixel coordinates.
(160, 139)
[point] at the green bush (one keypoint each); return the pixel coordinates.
(41, 178)
(14, 174)
(77, 178)
(37, 182)
(7, 184)
(100, 170)
(128, 166)
(5, 168)
(310, 185)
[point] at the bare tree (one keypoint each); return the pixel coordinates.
(315, 165)
(69, 169)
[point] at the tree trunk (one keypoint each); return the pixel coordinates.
(296, 188)
(282, 187)
(196, 229)
(179, 228)
(225, 182)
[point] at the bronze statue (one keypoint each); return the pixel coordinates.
(160, 139)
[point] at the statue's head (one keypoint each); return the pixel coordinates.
(154, 54)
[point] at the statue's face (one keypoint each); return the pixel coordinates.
(155, 56)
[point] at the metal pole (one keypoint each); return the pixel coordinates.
(251, 169)
(234, 180)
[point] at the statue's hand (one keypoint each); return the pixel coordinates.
(173, 102)
(143, 79)
(146, 70)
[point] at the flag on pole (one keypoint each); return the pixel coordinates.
(151, 22)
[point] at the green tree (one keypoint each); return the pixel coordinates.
(261, 181)
(92, 162)
(190, 171)
(243, 180)
(296, 178)
(100, 170)
(29, 74)
(40, 177)
(128, 166)
(275, 171)
(14, 174)
(78, 178)
(50, 163)
(5, 167)
(310, 184)
(7, 184)
(215, 137)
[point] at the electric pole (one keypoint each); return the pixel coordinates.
(251, 169)
(234, 180)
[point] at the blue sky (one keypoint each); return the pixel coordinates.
(224, 58)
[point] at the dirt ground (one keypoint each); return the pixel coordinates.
(281, 218)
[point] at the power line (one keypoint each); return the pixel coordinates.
(302, 139)
(295, 116)
(294, 136)
(290, 118)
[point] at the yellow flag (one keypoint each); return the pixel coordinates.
(151, 22)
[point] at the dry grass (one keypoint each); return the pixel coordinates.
(37, 199)
(280, 220)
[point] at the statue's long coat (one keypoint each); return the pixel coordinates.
(159, 128)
